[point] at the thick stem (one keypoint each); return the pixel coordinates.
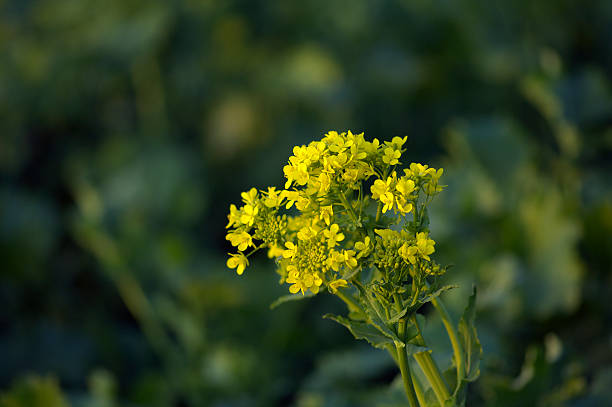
(402, 356)
(454, 338)
(431, 370)
(405, 371)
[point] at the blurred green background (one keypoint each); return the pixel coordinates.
(127, 127)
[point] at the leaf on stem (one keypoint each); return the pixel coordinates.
(291, 297)
(363, 330)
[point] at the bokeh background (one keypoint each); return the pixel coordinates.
(127, 127)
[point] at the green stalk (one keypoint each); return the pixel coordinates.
(402, 358)
(431, 370)
(452, 334)
(405, 371)
(418, 389)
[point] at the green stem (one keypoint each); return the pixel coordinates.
(349, 208)
(418, 389)
(431, 370)
(405, 371)
(402, 357)
(454, 338)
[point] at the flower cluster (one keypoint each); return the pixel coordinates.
(335, 216)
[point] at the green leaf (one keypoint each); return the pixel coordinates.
(362, 330)
(469, 340)
(290, 297)
(438, 292)
(377, 316)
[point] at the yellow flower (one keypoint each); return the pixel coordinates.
(273, 198)
(418, 170)
(432, 187)
(233, 217)
(335, 260)
(364, 247)
(292, 197)
(380, 187)
(391, 156)
(408, 253)
(240, 239)
(238, 262)
(324, 182)
(291, 250)
(307, 233)
(336, 284)
(326, 213)
(425, 246)
(349, 258)
(275, 251)
(250, 197)
(297, 173)
(333, 235)
(403, 205)
(405, 186)
(248, 214)
(387, 199)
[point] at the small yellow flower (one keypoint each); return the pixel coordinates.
(380, 187)
(326, 213)
(408, 253)
(291, 250)
(233, 217)
(335, 260)
(333, 235)
(349, 258)
(248, 214)
(336, 284)
(324, 182)
(291, 196)
(275, 251)
(250, 197)
(307, 233)
(425, 246)
(273, 198)
(238, 262)
(297, 173)
(241, 239)
(405, 186)
(364, 248)
(391, 156)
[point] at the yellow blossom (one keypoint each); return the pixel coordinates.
(333, 235)
(291, 250)
(326, 213)
(238, 262)
(233, 217)
(336, 284)
(425, 246)
(405, 186)
(408, 253)
(248, 214)
(391, 156)
(275, 251)
(349, 258)
(241, 239)
(364, 248)
(250, 197)
(273, 198)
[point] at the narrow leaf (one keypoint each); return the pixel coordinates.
(362, 330)
(469, 340)
(290, 297)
